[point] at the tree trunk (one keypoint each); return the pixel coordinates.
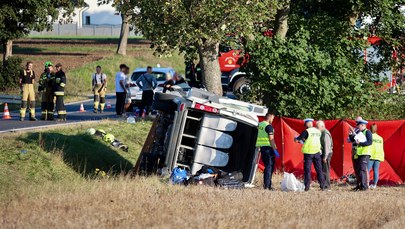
(7, 50)
(123, 42)
(211, 72)
(281, 24)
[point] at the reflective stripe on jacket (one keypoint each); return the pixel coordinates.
(364, 150)
(377, 148)
(312, 144)
(263, 136)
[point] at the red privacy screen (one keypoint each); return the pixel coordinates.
(392, 170)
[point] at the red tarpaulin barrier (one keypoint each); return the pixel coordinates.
(392, 170)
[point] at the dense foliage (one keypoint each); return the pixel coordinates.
(9, 74)
(198, 26)
(318, 69)
(19, 17)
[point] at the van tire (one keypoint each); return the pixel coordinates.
(165, 106)
(159, 96)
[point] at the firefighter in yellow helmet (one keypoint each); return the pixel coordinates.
(59, 91)
(27, 80)
(99, 83)
(46, 82)
(311, 139)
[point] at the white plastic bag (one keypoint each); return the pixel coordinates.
(290, 183)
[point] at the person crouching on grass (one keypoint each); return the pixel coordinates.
(311, 137)
(377, 155)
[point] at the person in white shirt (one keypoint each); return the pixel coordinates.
(99, 83)
(120, 89)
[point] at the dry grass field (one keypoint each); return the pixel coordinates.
(53, 185)
(152, 203)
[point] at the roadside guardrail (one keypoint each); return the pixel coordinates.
(10, 99)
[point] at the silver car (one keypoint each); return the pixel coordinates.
(160, 74)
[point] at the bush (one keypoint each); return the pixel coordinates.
(9, 73)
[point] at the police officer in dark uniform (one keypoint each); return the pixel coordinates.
(268, 148)
(363, 153)
(352, 133)
(59, 91)
(311, 139)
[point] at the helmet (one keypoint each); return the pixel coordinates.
(48, 63)
(108, 138)
(91, 131)
(100, 132)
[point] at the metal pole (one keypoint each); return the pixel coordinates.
(94, 30)
(111, 30)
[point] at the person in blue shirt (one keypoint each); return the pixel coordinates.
(147, 83)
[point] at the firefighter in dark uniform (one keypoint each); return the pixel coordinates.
(46, 82)
(190, 73)
(27, 80)
(268, 149)
(198, 73)
(59, 92)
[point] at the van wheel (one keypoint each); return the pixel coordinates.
(164, 96)
(165, 106)
(241, 86)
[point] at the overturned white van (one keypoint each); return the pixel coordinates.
(201, 129)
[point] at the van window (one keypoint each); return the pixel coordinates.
(160, 76)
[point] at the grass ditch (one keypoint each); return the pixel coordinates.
(66, 154)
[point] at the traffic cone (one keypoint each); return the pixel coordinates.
(82, 108)
(6, 114)
(109, 105)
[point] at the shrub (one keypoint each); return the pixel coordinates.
(9, 73)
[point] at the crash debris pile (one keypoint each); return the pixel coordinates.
(209, 176)
(109, 138)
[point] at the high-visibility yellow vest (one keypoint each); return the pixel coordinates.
(377, 149)
(312, 144)
(263, 136)
(364, 150)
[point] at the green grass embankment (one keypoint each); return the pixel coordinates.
(66, 155)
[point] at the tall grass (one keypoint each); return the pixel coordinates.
(80, 78)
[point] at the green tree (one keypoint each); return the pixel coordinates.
(200, 26)
(19, 17)
(314, 66)
(127, 12)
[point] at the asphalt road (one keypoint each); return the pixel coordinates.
(73, 115)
